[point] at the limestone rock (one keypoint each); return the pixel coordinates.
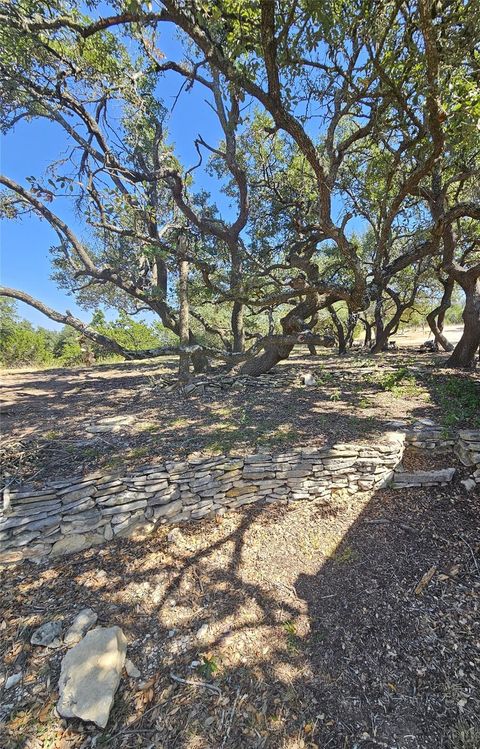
(237, 491)
(175, 536)
(90, 675)
(308, 379)
(13, 680)
(131, 669)
(84, 620)
(69, 544)
(202, 632)
(423, 478)
(48, 635)
(165, 511)
(11, 556)
(464, 455)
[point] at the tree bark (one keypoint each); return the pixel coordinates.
(238, 328)
(464, 353)
(183, 321)
(436, 317)
(384, 331)
(368, 332)
(342, 341)
(295, 330)
(265, 361)
(351, 325)
(381, 336)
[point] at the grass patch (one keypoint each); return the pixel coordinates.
(281, 436)
(148, 427)
(400, 382)
(365, 403)
(209, 667)
(139, 452)
(459, 400)
(52, 435)
(345, 556)
(293, 640)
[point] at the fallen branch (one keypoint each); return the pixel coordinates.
(191, 683)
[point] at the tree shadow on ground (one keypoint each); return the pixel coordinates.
(314, 635)
(46, 422)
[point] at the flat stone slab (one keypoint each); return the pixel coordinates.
(90, 675)
(423, 478)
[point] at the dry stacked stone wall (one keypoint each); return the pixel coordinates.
(467, 450)
(68, 516)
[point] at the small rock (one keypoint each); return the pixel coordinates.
(309, 379)
(90, 675)
(111, 424)
(13, 680)
(202, 632)
(48, 635)
(469, 484)
(426, 422)
(84, 621)
(131, 669)
(175, 536)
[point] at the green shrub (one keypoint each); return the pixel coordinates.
(459, 400)
(22, 345)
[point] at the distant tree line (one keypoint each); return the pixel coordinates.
(23, 344)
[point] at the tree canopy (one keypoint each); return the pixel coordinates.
(346, 173)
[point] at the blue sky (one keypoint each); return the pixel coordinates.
(30, 147)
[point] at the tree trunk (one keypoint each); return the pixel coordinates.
(184, 359)
(436, 317)
(342, 341)
(238, 328)
(266, 360)
(293, 324)
(351, 325)
(381, 335)
(368, 333)
(464, 353)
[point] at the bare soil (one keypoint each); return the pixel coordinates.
(46, 414)
(315, 636)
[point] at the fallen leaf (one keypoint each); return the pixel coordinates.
(425, 580)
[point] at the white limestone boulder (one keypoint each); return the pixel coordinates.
(90, 675)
